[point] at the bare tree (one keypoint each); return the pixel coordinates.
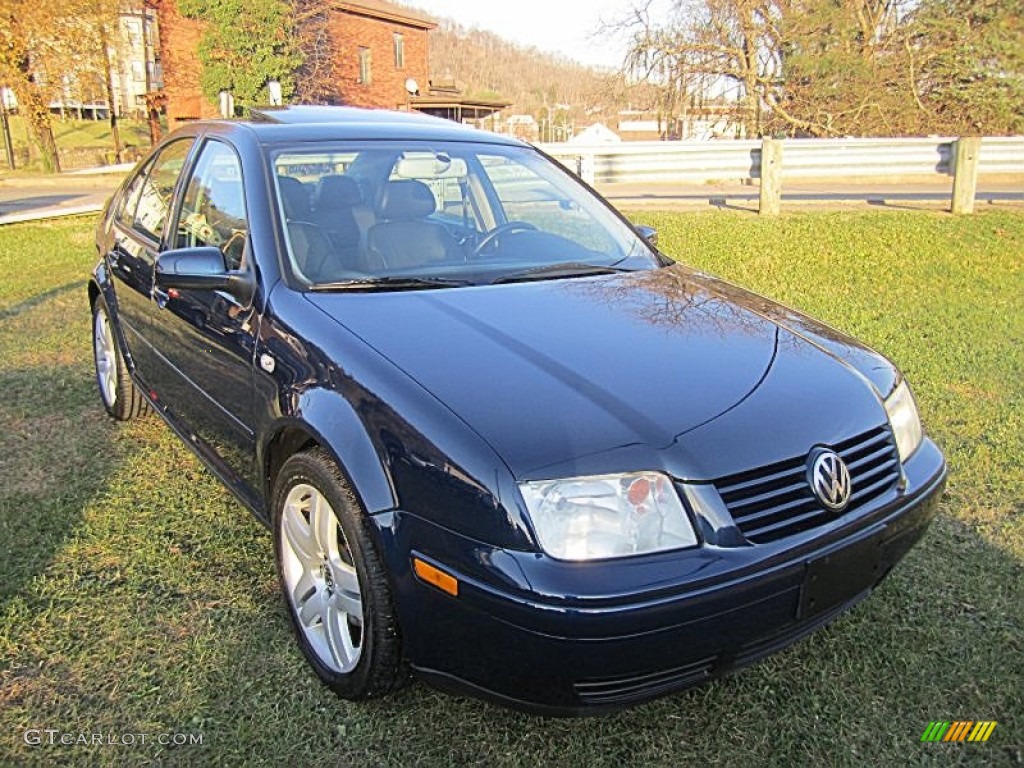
(317, 79)
(723, 50)
(835, 67)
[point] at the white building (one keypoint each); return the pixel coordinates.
(134, 70)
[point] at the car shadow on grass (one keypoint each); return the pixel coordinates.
(56, 450)
(41, 298)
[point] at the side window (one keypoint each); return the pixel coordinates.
(399, 51)
(213, 211)
(125, 213)
(157, 188)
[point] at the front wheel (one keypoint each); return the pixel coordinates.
(334, 583)
(117, 390)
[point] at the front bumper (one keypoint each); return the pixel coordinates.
(574, 638)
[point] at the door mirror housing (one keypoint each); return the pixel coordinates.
(650, 234)
(202, 269)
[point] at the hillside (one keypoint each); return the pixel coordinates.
(485, 65)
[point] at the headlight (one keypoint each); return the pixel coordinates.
(906, 424)
(592, 518)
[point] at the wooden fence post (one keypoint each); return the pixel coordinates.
(770, 199)
(965, 173)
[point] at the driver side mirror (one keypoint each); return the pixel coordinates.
(650, 234)
(202, 269)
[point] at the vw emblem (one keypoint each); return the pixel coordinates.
(829, 479)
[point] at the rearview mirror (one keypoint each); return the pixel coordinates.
(426, 166)
(201, 269)
(650, 234)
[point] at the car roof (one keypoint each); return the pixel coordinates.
(314, 123)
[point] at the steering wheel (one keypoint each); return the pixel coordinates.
(502, 229)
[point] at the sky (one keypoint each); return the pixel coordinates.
(565, 27)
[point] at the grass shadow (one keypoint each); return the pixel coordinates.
(56, 451)
(35, 301)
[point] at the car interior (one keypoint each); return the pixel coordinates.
(358, 216)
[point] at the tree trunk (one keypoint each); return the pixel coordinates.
(152, 113)
(107, 73)
(30, 101)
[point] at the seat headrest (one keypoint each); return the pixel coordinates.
(294, 197)
(407, 199)
(336, 192)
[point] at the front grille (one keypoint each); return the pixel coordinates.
(775, 501)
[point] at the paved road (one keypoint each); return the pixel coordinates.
(832, 194)
(28, 198)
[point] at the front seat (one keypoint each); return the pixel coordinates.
(335, 197)
(295, 198)
(405, 238)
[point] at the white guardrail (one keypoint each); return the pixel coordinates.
(725, 160)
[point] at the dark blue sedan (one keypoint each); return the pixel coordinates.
(501, 441)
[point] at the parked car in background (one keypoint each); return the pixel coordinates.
(501, 441)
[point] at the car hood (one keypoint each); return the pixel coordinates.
(664, 369)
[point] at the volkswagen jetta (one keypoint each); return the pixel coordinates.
(502, 442)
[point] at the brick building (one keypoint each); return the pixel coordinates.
(179, 55)
(378, 47)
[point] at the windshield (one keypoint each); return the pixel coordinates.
(390, 215)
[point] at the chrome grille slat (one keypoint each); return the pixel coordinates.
(768, 495)
(788, 523)
(775, 501)
(746, 485)
(774, 510)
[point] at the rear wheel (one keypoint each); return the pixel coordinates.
(117, 390)
(334, 583)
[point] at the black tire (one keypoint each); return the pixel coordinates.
(379, 668)
(118, 393)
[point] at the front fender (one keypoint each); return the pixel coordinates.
(401, 447)
(329, 419)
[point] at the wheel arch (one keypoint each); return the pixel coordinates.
(344, 437)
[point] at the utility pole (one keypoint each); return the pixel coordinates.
(8, 146)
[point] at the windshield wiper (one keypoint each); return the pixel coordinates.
(389, 283)
(563, 269)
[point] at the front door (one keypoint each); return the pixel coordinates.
(207, 338)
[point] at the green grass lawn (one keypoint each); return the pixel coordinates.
(82, 143)
(137, 597)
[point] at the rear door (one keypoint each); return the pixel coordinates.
(138, 227)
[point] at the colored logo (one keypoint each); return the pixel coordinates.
(959, 730)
